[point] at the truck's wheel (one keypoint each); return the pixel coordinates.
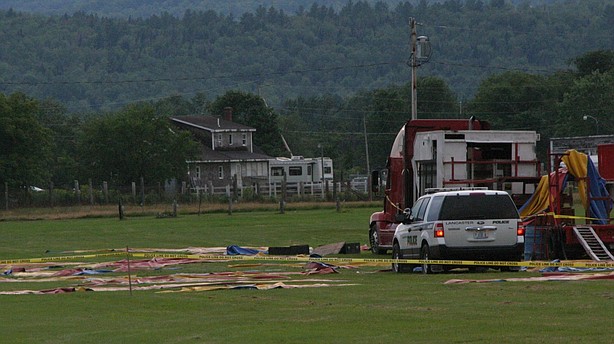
(424, 255)
(374, 241)
(396, 254)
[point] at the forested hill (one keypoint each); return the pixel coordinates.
(90, 62)
(147, 8)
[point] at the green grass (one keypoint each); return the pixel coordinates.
(382, 308)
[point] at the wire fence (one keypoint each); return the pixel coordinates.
(141, 193)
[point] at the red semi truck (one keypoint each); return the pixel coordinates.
(446, 154)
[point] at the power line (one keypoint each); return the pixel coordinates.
(197, 78)
(447, 63)
(257, 75)
(313, 132)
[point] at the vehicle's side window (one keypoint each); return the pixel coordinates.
(433, 214)
(416, 208)
(422, 210)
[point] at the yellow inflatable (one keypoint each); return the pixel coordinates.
(549, 188)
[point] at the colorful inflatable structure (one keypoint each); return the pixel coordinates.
(552, 228)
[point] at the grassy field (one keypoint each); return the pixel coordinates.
(379, 306)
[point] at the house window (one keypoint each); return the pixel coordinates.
(295, 171)
(230, 139)
(244, 139)
(328, 170)
(198, 172)
(277, 171)
(219, 140)
(309, 170)
(220, 172)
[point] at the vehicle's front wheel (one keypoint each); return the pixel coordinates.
(424, 255)
(396, 254)
(374, 241)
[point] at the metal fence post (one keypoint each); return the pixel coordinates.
(6, 195)
(78, 192)
(105, 191)
(50, 191)
(133, 192)
(91, 194)
(142, 192)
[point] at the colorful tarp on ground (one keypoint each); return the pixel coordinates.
(98, 276)
(89, 276)
(581, 167)
(545, 278)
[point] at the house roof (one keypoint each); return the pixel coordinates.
(216, 156)
(211, 124)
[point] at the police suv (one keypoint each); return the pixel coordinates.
(459, 225)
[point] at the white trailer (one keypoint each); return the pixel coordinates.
(499, 160)
(298, 169)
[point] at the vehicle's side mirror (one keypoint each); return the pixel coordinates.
(405, 217)
(374, 181)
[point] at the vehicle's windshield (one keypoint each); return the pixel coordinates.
(478, 206)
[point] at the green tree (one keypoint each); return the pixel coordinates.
(435, 98)
(387, 111)
(503, 98)
(251, 110)
(134, 143)
(64, 129)
(177, 106)
(590, 96)
(588, 101)
(25, 145)
(600, 61)
(318, 120)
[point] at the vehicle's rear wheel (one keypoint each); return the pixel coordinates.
(424, 255)
(374, 241)
(396, 254)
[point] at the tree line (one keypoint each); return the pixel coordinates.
(41, 141)
(95, 63)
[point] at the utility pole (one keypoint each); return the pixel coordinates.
(414, 95)
(364, 127)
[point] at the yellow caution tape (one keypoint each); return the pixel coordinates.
(394, 205)
(565, 216)
(60, 258)
(335, 260)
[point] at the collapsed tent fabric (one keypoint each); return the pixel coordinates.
(582, 168)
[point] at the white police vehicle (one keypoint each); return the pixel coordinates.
(459, 225)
